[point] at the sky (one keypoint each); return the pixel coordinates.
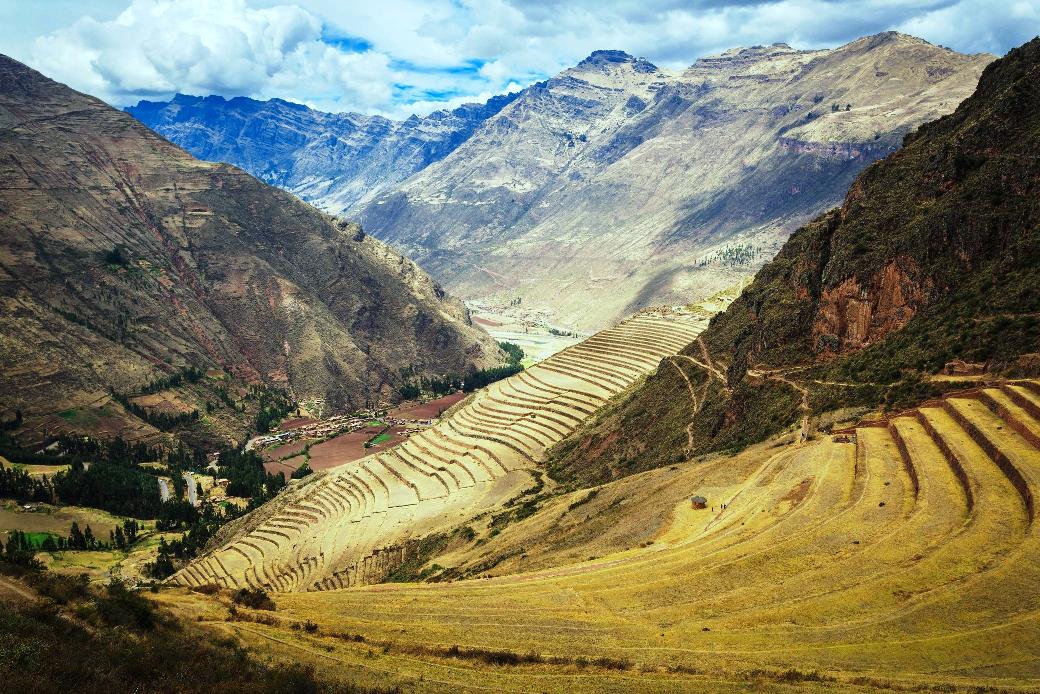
(399, 57)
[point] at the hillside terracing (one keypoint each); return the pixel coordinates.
(898, 555)
(355, 524)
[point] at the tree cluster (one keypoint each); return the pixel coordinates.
(514, 351)
(274, 405)
(163, 421)
(16, 483)
(200, 528)
(246, 476)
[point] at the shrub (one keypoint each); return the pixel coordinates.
(253, 598)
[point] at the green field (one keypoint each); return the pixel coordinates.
(37, 539)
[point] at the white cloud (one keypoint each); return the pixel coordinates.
(401, 56)
(157, 47)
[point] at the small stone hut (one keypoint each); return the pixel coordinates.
(699, 502)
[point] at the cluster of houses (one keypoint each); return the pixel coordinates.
(336, 424)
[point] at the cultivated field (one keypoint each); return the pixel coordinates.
(54, 519)
(353, 525)
(901, 555)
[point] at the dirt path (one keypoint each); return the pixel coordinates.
(780, 375)
(693, 400)
(707, 365)
(10, 588)
(710, 364)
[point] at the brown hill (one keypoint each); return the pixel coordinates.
(123, 260)
(933, 257)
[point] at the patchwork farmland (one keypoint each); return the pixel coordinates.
(351, 526)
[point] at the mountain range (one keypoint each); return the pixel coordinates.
(612, 186)
(337, 161)
(125, 261)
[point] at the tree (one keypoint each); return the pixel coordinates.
(76, 539)
(120, 538)
(117, 256)
(130, 530)
(88, 537)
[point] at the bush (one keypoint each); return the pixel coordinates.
(117, 256)
(253, 598)
(119, 606)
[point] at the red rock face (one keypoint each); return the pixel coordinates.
(852, 316)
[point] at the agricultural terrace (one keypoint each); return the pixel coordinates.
(350, 526)
(896, 556)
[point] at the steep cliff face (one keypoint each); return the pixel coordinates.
(851, 315)
(617, 185)
(333, 160)
(124, 259)
(933, 257)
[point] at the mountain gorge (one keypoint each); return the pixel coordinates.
(125, 261)
(617, 184)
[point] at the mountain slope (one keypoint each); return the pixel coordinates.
(933, 257)
(123, 259)
(334, 160)
(617, 185)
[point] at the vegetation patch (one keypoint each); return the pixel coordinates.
(111, 639)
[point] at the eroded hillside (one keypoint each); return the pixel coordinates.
(124, 260)
(934, 256)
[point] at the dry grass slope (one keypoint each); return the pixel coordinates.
(900, 555)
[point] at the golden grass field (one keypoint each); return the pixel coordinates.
(907, 558)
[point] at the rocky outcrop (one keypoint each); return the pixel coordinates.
(844, 151)
(851, 315)
(123, 259)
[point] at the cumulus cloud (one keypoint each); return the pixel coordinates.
(397, 57)
(157, 47)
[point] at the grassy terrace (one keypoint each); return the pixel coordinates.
(901, 559)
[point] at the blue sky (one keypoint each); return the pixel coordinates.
(398, 57)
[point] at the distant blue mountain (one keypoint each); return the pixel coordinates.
(337, 161)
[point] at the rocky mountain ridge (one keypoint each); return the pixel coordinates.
(124, 260)
(333, 160)
(617, 185)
